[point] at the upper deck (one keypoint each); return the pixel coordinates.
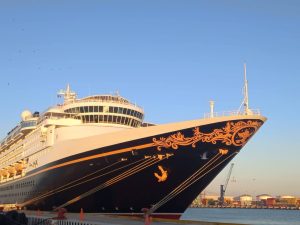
(99, 110)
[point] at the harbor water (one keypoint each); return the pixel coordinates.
(244, 216)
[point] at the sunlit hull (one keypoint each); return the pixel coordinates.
(163, 172)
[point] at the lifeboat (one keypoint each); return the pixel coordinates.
(12, 171)
(20, 166)
(4, 173)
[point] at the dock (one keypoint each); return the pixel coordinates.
(99, 219)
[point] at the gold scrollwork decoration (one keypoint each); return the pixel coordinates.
(234, 133)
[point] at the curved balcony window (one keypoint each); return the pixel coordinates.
(105, 109)
(111, 119)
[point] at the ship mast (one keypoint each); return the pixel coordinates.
(246, 98)
(245, 102)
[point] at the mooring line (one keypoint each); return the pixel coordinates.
(212, 160)
(65, 187)
(169, 197)
(118, 178)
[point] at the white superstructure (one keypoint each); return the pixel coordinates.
(24, 147)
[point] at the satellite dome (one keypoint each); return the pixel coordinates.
(26, 114)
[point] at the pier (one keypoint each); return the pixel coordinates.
(98, 219)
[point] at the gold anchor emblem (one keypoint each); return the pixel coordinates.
(164, 174)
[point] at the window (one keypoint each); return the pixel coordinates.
(92, 118)
(111, 109)
(123, 120)
(96, 109)
(86, 109)
(96, 119)
(126, 121)
(124, 111)
(120, 110)
(114, 119)
(119, 119)
(109, 118)
(105, 119)
(101, 118)
(81, 109)
(105, 109)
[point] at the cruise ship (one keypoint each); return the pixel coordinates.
(97, 154)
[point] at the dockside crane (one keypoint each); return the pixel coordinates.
(223, 187)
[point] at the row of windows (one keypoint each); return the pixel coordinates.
(105, 109)
(20, 185)
(12, 153)
(7, 188)
(18, 194)
(109, 119)
(25, 184)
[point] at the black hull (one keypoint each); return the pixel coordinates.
(125, 182)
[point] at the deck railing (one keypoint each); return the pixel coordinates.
(35, 220)
(231, 113)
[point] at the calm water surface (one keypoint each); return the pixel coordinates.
(244, 216)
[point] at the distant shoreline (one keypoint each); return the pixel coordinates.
(247, 207)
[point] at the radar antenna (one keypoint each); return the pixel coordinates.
(69, 96)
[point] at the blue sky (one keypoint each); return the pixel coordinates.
(171, 57)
